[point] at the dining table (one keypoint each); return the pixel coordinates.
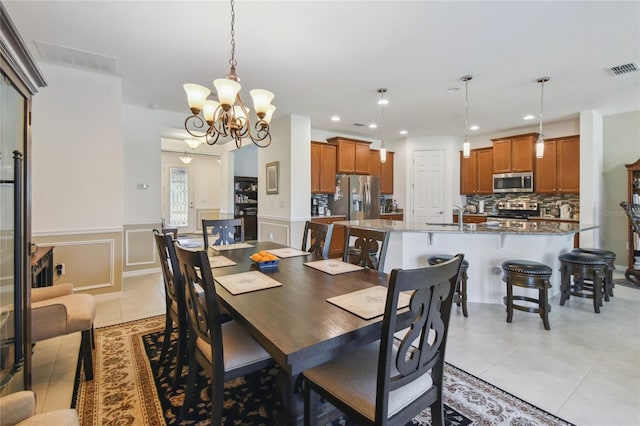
(294, 322)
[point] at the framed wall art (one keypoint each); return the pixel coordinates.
(273, 176)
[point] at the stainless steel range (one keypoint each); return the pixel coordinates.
(516, 209)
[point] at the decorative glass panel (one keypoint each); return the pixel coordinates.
(178, 196)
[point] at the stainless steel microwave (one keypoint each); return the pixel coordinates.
(513, 182)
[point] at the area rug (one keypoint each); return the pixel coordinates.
(132, 387)
(625, 283)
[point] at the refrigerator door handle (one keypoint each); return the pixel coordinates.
(367, 194)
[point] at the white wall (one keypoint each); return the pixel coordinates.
(143, 129)
(246, 160)
(77, 152)
(622, 146)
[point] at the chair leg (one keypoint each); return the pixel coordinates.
(463, 293)
(311, 400)
(544, 307)
(93, 337)
(168, 328)
(597, 292)
(87, 356)
(509, 302)
(565, 284)
(191, 382)
(437, 412)
(180, 355)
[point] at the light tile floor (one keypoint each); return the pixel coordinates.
(585, 370)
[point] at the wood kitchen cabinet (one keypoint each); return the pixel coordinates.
(323, 168)
(558, 171)
(476, 172)
(383, 170)
(514, 153)
(337, 237)
(469, 218)
(352, 156)
(568, 167)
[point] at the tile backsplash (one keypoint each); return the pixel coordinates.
(545, 201)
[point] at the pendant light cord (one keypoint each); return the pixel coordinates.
(232, 61)
(382, 119)
(541, 103)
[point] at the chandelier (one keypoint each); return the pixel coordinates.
(383, 149)
(228, 116)
(540, 142)
(466, 146)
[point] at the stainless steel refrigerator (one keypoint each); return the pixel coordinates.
(358, 197)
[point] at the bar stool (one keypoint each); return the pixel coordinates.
(582, 266)
(460, 295)
(527, 274)
(610, 258)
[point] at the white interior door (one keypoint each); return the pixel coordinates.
(428, 186)
(177, 195)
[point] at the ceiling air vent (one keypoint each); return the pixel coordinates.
(58, 54)
(359, 124)
(623, 69)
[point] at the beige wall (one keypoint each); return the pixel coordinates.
(93, 260)
(621, 146)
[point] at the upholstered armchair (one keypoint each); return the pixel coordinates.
(57, 311)
(19, 408)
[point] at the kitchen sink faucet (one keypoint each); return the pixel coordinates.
(460, 216)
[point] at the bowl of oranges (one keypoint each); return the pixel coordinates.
(265, 260)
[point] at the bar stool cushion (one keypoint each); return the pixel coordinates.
(582, 259)
(528, 267)
(439, 258)
(605, 254)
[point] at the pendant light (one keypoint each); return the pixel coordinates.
(466, 146)
(540, 142)
(383, 149)
(186, 158)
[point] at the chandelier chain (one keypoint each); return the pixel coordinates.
(232, 61)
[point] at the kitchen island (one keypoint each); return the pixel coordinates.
(485, 246)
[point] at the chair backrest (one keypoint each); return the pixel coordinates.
(422, 347)
(172, 231)
(366, 247)
(222, 231)
(317, 238)
(201, 302)
(173, 282)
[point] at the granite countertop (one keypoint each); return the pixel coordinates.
(333, 216)
(510, 227)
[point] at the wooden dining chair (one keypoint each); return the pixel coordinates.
(174, 302)
(366, 247)
(222, 231)
(391, 381)
(317, 238)
(223, 350)
(172, 231)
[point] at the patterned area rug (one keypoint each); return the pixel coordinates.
(128, 389)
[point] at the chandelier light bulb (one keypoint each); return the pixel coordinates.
(193, 143)
(209, 110)
(196, 95)
(227, 91)
(186, 159)
(269, 113)
(261, 100)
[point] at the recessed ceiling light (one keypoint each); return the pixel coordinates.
(383, 101)
(529, 117)
(452, 89)
(335, 118)
(403, 132)
(373, 126)
(474, 127)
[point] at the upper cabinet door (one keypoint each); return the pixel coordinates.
(522, 153)
(374, 162)
(484, 166)
(327, 168)
(315, 167)
(545, 172)
(568, 165)
(352, 155)
(502, 156)
(386, 175)
(514, 154)
(468, 173)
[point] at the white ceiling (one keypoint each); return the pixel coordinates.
(322, 58)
